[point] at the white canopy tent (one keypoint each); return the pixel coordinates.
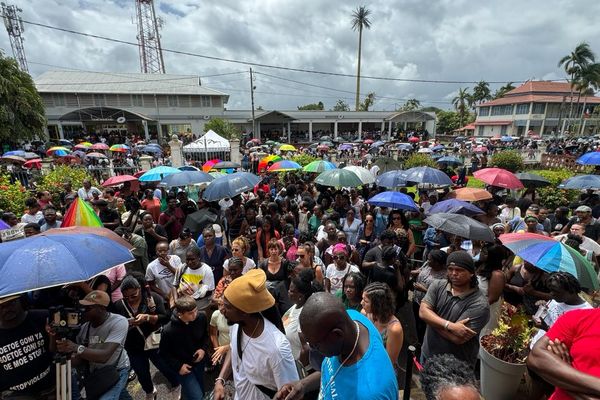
(209, 142)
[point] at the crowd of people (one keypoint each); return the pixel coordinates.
(295, 290)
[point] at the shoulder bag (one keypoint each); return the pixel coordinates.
(102, 379)
(151, 342)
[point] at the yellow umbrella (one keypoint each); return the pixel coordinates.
(287, 147)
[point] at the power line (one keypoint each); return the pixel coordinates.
(256, 64)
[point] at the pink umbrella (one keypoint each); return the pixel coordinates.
(117, 180)
(414, 139)
(99, 146)
(480, 149)
(35, 163)
(498, 177)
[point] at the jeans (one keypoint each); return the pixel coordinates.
(192, 384)
(115, 392)
(140, 362)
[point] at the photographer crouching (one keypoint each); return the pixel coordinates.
(99, 349)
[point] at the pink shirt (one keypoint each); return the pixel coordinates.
(116, 274)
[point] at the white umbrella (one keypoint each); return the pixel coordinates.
(425, 150)
(363, 174)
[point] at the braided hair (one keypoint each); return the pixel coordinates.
(563, 281)
(382, 300)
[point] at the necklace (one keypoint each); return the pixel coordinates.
(346, 359)
(237, 367)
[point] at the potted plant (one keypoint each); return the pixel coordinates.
(503, 353)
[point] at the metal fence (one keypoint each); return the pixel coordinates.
(198, 158)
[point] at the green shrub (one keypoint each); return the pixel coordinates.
(54, 180)
(551, 196)
(509, 160)
(304, 159)
(12, 196)
(419, 160)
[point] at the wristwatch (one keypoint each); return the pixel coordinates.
(80, 349)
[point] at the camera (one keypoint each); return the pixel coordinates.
(65, 320)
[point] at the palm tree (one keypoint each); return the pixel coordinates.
(462, 102)
(573, 64)
(411, 105)
(360, 20)
(369, 100)
(503, 90)
(481, 92)
(587, 82)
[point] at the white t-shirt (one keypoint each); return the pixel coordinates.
(555, 310)
(250, 264)
(336, 277)
(291, 323)
(113, 330)
(218, 320)
(161, 275)
(201, 279)
(32, 219)
(266, 360)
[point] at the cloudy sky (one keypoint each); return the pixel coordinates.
(456, 40)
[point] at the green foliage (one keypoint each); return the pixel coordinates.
(223, 128)
(54, 180)
(411, 105)
(509, 160)
(510, 341)
(481, 92)
(419, 160)
(304, 159)
(367, 103)
(503, 90)
(12, 196)
(313, 106)
(475, 183)
(462, 102)
(21, 108)
(552, 197)
(341, 105)
(447, 121)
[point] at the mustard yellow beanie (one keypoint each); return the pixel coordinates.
(249, 293)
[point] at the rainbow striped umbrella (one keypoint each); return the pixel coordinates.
(80, 213)
(210, 164)
(318, 166)
(264, 163)
(284, 165)
(119, 148)
(58, 151)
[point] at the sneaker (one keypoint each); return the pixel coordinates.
(132, 376)
(152, 396)
(175, 393)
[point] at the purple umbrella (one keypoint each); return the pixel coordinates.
(345, 146)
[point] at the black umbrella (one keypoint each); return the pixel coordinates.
(533, 180)
(198, 220)
(460, 225)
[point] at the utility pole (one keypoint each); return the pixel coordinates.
(151, 57)
(252, 87)
(15, 29)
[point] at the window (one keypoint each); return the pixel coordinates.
(136, 100)
(539, 108)
(205, 101)
(503, 130)
(502, 110)
(99, 100)
(484, 111)
(480, 130)
(59, 99)
(522, 109)
(172, 101)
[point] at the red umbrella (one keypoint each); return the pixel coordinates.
(498, 177)
(99, 146)
(140, 173)
(77, 230)
(414, 139)
(117, 180)
(368, 141)
(480, 149)
(35, 163)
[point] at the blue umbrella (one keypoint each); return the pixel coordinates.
(186, 178)
(44, 261)
(450, 160)
(230, 186)
(188, 168)
(151, 149)
(391, 179)
(428, 175)
(438, 147)
(506, 139)
(591, 158)
(18, 153)
(394, 200)
(404, 146)
(158, 173)
(581, 182)
(454, 206)
(435, 156)
(378, 143)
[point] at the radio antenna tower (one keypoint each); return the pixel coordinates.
(151, 58)
(14, 27)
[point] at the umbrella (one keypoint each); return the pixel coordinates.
(188, 168)
(460, 225)
(77, 230)
(425, 150)
(140, 173)
(198, 220)
(80, 213)
(460, 139)
(83, 145)
(480, 149)
(65, 142)
(99, 146)
(30, 155)
(454, 206)
(35, 163)
(591, 158)
(471, 194)
(119, 179)
(284, 165)
(207, 166)
(438, 147)
(498, 177)
(532, 180)
(93, 155)
(323, 147)
(318, 166)
(551, 256)
(404, 146)
(4, 225)
(414, 139)
(151, 149)
(271, 143)
(392, 179)
(264, 163)
(581, 182)
(326, 143)
(506, 139)
(386, 164)
(428, 175)
(81, 154)
(338, 178)
(378, 143)
(368, 141)
(394, 200)
(18, 153)
(57, 151)
(345, 146)
(11, 159)
(287, 147)
(226, 165)
(217, 174)
(119, 148)
(158, 173)
(230, 185)
(43, 261)
(450, 160)
(186, 178)
(363, 174)
(326, 138)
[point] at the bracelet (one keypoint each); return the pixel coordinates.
(446, 325)
(220, 379)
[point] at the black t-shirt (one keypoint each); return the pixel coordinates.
(109, 215)
(26, 364)
(151, 241)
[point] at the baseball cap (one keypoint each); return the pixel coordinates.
(95, 297)
(583, 209)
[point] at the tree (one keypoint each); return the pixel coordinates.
(503, 90)
(367, 103)
(588, 81)
(313, 106)
(21, 109)
(260, 108)
(462, 102)
(447, 121)
(574, 63)
(341, 105)
(481, 92)
(223, 128)
(360, 20)
(411, 105)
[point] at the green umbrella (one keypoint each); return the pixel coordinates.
(271, 143)
(386, 164)
(338, 178)
(318, 166)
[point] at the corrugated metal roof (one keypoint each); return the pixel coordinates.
(130, 83)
